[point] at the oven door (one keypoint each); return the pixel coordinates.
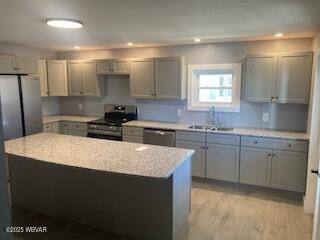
(103, 136)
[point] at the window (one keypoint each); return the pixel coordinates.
(214, 85)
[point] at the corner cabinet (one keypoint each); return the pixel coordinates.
(278, 78)
(83, 79)
(57, 78)
(158, 78)
(10, 64)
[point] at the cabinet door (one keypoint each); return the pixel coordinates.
(222, 162)
(255, 166)
(199, 157)
(105, 66)
(47, 127)
(57, 77)
(260, 79)
(168, 78)
(90, 79)
(289, 170)
(133, 139)
(142, 78)
(26, 65)
(42, 72)
(121, 66)
(7, 64)
(75, 78)
(294, 78)
(80, 133)
(64, 127)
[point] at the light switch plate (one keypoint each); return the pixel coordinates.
(265, 117)
(80, 106)
(179, 112)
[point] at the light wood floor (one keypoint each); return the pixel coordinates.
(219, 212)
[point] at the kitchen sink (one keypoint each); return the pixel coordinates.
(199, 127)
(209, 128)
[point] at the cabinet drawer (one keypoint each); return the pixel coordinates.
(273, 143)
(47, 127)
(135, 131)
(191, 136)
(77, 126)
(223, 139)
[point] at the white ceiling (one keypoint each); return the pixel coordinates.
(112, 23)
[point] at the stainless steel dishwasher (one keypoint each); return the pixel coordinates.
(159, 137)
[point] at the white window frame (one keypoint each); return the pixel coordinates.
(193, 101)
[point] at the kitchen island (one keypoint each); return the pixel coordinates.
(136, 190)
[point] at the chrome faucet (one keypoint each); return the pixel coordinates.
(213, 117)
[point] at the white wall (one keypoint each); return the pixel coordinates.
(282, 116)
(313, 158)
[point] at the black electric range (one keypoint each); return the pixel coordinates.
(109, 127)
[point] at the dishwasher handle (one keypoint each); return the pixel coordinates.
(159, 132)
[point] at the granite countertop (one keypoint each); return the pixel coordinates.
(101, 155)
(71, 118)
(235, 131)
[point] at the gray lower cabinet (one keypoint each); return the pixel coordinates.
(289, 170)
(199, 157)
(255, 166)
(222, 162)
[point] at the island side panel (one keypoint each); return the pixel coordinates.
(181, 200)
(141, 208)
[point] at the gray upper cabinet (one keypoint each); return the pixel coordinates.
(7, 64)
(26, 65)
(91, 84)
(83, 79)
(289, 170)
(160, 78)
(10, 64)
(113, 66)
(75, 78)
(260, 77)
(170, 78)
(281, 78)
(294, 77)
(42, 72)
(222, 162)
(142, 78)
(57, 77)
(199, 157)
(255, 166)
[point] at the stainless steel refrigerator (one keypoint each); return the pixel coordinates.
(21, 106)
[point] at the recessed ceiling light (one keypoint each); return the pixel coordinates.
(197, 39)
(76, 47)
(64, 23)
(278, 34)
(130, 43)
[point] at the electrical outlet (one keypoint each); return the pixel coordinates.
(265, 117)
(80, 106)
(179, 112)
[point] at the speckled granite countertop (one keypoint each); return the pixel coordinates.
(71, 118)
(235, 131)
(101, 155)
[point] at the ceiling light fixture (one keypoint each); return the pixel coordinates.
(76, 47)
(197, 39)
(278, 34)
(130, 43)
(64, 23)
